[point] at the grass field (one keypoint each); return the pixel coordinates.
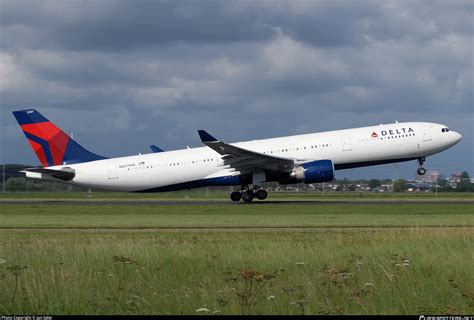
(306, 259)
(215, 216)
(220, 194)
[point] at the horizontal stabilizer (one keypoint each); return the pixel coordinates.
(65, 174)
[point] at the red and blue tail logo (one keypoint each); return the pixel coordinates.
(51, 145)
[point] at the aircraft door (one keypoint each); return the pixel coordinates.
(346, 143)
(426, 134)
(112, 171)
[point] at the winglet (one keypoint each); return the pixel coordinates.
(155, 149)
(206, 137)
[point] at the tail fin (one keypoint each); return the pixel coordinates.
(51, 145)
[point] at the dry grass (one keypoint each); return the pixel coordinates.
(392, 271)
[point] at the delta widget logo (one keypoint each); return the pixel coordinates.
(393, 132)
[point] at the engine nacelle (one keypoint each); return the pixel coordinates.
(314, 172)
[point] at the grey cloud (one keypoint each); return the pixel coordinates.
(122, 75)
(130, 25)
(125, 25)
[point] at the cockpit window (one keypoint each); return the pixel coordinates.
(445, 130)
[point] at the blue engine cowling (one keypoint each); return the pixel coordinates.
(314, 172)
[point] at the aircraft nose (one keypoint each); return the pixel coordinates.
(457, 137)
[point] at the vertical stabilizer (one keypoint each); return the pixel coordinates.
(51, 145)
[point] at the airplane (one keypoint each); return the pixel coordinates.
(305, 158)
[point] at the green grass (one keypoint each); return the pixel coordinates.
(383, 272)
(220, 194)
(425, 268)
(271, 215)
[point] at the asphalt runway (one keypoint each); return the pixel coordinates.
(99, 202)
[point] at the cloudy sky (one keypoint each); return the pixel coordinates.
(122, 75)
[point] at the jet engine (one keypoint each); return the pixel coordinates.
(313, 172)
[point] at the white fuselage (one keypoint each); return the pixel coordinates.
(346, 148)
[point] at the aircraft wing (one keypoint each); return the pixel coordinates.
(65, 174)
(245, 160)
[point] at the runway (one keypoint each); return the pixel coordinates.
(100, 202)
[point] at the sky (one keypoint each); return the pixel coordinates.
(122, 75)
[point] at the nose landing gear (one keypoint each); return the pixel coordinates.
(247, 195)
(421, 171)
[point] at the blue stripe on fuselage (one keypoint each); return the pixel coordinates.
(342, 166)
(219, 181)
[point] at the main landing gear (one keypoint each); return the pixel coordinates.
(421, 171)
(247, 194)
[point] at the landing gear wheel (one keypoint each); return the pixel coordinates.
(235, 196)
(248, 196)
(421, 171)
(261, 194)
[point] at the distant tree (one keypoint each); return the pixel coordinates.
(400, 185)
(18, 184)
(443, 183)
(15, 184)
(465, 185)
(374, 183)
(13, 170)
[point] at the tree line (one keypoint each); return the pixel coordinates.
(401, 185)
(17, 182)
